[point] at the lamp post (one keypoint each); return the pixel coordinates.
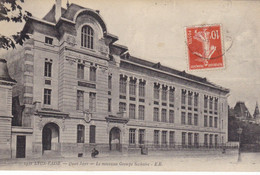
(239, 131)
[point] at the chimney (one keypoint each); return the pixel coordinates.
(57, 10)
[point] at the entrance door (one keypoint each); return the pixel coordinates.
(20, 146)
(46, 139)
(114, 139)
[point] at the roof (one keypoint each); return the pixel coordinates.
(183, 74)
(241, 110)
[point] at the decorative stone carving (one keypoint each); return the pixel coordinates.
(71, 40)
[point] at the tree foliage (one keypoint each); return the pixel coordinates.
(11, 11)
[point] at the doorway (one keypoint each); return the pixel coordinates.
(20, 146)
(114, 139)
(50, 137)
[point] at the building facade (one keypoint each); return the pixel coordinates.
(77, 89)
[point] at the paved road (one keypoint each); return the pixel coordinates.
(155, 161)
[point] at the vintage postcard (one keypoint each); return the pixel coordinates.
(101, 85)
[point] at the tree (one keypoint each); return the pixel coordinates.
(11, 11)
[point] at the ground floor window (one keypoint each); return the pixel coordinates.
(156, 137)
(171, 138)
(141, 136)
(196, 139)
(183, 138)
(92, 134)
(190, 139)
(80, 133)
(131, 136)
(216, 140)
(205, 139)
(164, 138)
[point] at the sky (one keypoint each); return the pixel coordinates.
(154, 30)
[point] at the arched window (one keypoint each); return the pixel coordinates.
(87, 34)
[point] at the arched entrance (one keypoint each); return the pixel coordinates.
(50, 137)
(114, 139)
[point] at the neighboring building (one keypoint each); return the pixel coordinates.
(241, 112)
(257, 114)
(77, 89)
(6, 83)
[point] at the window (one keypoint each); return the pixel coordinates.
(189, 139)
(92, 73)
(80, 100)
(47, 69)
(210, 140)
(196, 99)
(122, 85)
(80, 133)
(211, 104)
(156, 91)
(164, 115)
(183, 138)
(171, 95)
(142, 89)
(216, 140)
(183, 97)
(110, 82)
(196, 119)
(109, 104)
(216, 104)
(80, 73)
(196, 139)
(92, 102)
(171, 139)
(131, 136)
(132, 87)
(183, 118)
(92, 134)
(156, 137)
(122, 107)
(132, 111)
(164, 138)
(141, 136)
(164, 93)
(156, 114)
(189, 118)
(141, 112)
(47, 96)
(171, 116)
(210, 121)
(190, 98)
(87, 34)
(216, 122)
(205, 139)
(205, 121)
(205, 102)
(48, 40)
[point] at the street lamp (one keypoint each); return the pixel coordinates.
(239, 131)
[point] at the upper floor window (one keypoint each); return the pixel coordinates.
(156, 91)
(164, 115)
(92, 74)
(141, 112)
(48, 40)
(109, 81)
(156, 114)
(80, 100)
(132, 111)
(171, 95)
(87, 35)
(47, 96)
(190, 98)
(47, 69)
(196, 99)
(92, 102)
(216, 104)
(141, 89)
(183, 97)
(122, 85)
(132, 87)
(122, 107)
(164, 93)
(80, 72)
(210, 103)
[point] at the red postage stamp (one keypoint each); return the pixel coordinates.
(204, 47)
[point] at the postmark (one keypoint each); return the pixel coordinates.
(205, 47)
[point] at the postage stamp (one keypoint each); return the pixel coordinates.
(204, 45)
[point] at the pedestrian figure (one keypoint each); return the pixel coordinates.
(94, 153)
